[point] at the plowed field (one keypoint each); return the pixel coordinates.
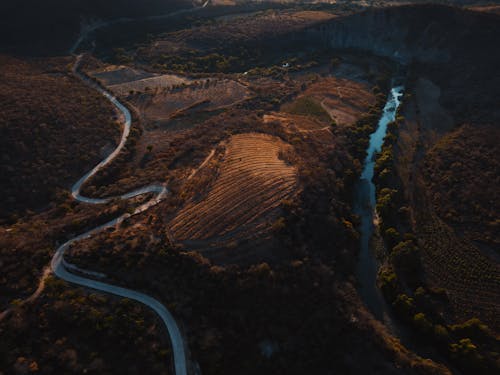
(251, 184)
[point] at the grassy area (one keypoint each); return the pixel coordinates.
(307, 106)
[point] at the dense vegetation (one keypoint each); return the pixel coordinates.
(27, 246)
(43, 28)
(52, 129)
(71, 331)
(232, 313)
(424, 262)
(462, 172)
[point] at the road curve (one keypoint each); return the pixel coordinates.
(90, 28)
(61, 268)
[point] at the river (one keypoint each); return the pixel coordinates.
(364, 206)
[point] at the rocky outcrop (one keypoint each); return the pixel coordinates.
(453, 47)
(426, 33)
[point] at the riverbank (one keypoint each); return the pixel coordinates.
(364, 206)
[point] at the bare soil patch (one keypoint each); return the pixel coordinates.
(206, 95)
(146, 84)
(123, 80)
(118, 74)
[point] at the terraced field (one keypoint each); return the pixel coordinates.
(245, 197)
(159, 98)
(471, 279)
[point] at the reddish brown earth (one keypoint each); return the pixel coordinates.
(252, 181)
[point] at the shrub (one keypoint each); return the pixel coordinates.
(472, 328)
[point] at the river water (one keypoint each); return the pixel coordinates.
(364, 206)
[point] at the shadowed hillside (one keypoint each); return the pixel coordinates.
(49, 27)
(455, 47)
(52, 127)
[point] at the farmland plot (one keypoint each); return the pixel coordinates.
(122, 80)
(206, 95)
(345, 100)
(471, 279)
(308, 128)
(114, 75)
(252, 183)
(151, 83)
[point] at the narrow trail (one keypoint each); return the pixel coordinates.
(62, 269)
(207, 159)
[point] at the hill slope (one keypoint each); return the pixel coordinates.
(52, 128)
(46, 27)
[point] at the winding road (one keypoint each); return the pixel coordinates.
(59, 266)
(62, 269)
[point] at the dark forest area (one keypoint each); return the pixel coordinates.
(31, 27)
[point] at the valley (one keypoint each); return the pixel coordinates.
(241, 187)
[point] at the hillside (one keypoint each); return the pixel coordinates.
(436, 176)
(50, 27)
(439, 41)
(240, 204)
(253, 179)
(459, 166)
(52, 128)
(257, 218)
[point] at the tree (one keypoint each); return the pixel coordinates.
(422, 324)
(404, 305)
(441, 333)
(405, 257)
(391, 236)
(389, 284)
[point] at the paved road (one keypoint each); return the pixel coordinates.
(61, 268)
